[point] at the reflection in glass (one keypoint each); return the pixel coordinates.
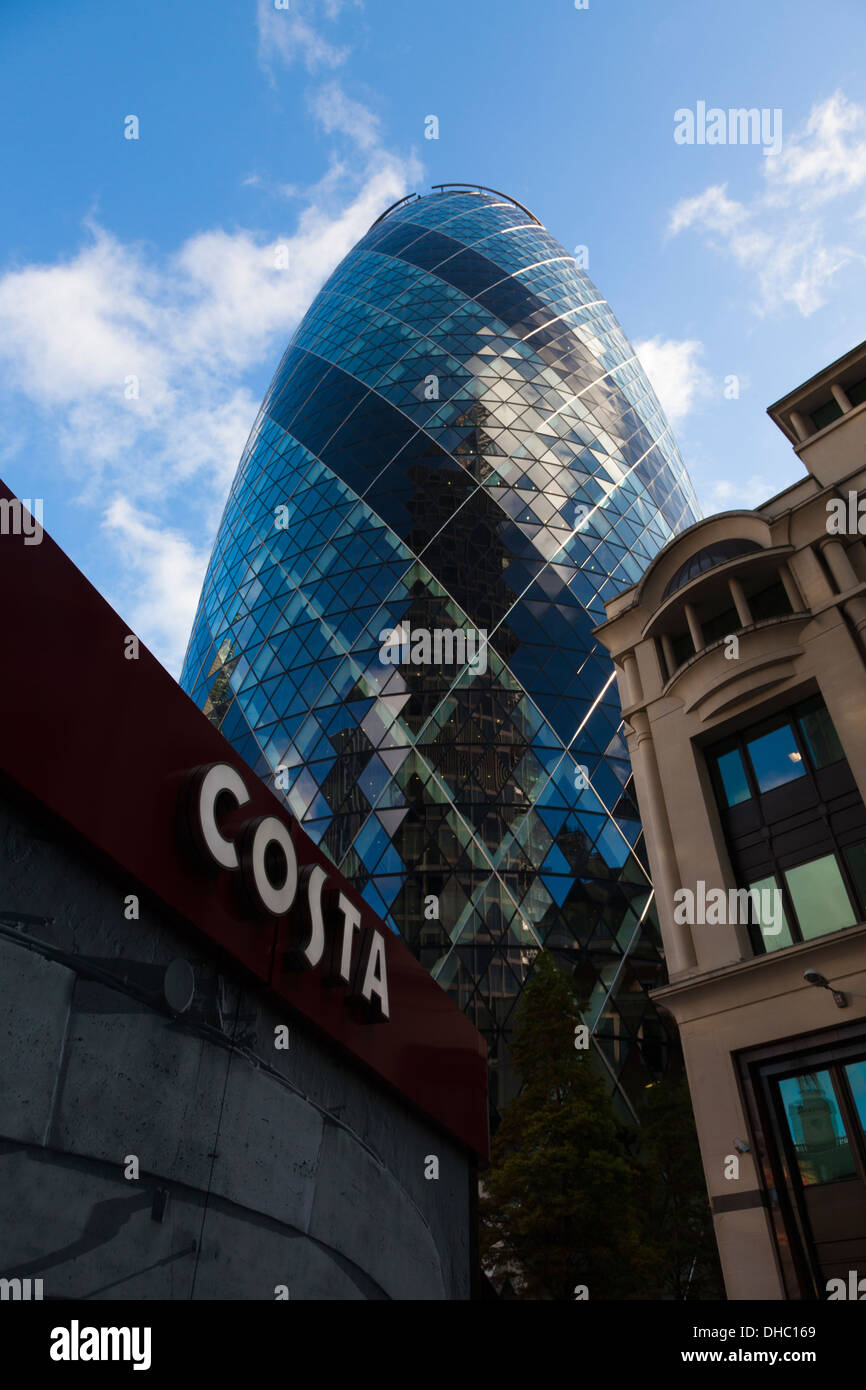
(776, 758)
(769, 922)
(733, 776)
(856, 1074)
(454, 402)
(821, 737)
(820, 898)
(820, 1144)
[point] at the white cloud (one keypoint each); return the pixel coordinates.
(333, 7)
(69, 328)
(335, 111)
(675, 374)
(827, 160)
(189, 327)
(778, 237)
(712, 209)
(164, 571)
(148, 368)
(290, 36)
(743, 494)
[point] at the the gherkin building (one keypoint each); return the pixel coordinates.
(458, 459)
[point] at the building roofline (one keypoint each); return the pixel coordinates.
(636, 590)
(408, 197)
(847, 359)
(440, 188)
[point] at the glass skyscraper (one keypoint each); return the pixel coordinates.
(458, 459)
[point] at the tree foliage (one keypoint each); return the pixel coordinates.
(675, 1203)
(574, 1197)
(560, 1207)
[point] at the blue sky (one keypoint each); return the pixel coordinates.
(272, 135)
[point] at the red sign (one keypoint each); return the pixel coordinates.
(107, 741)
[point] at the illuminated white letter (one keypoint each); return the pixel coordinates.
(258, 837)
(215, 782)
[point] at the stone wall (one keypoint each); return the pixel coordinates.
(259, 1167)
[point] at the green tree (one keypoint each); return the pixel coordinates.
(561, 1200)
(676, 1209)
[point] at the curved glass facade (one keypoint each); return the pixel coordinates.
(459, 458)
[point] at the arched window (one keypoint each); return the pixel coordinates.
(707, 559)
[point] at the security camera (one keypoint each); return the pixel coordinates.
(814, 977)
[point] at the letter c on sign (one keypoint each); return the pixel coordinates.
(209, 784)
(258, 837)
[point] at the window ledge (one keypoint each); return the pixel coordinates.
(770, 961)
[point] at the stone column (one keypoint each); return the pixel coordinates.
(632, 692)
(810, 577)
(677, 937)
(791, 589)
(741, 603)
(840, 566)
(694, 628)
(840, 396)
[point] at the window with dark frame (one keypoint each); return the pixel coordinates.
(794, 820)
(806, 1103)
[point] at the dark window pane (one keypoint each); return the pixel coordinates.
(825, 414)
(720, 626)
(821, 738)
(820, 1143)
(683, 648)
(771, 602)
(708, 558)
(776, 758)
(733, 776)
(855, 856)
